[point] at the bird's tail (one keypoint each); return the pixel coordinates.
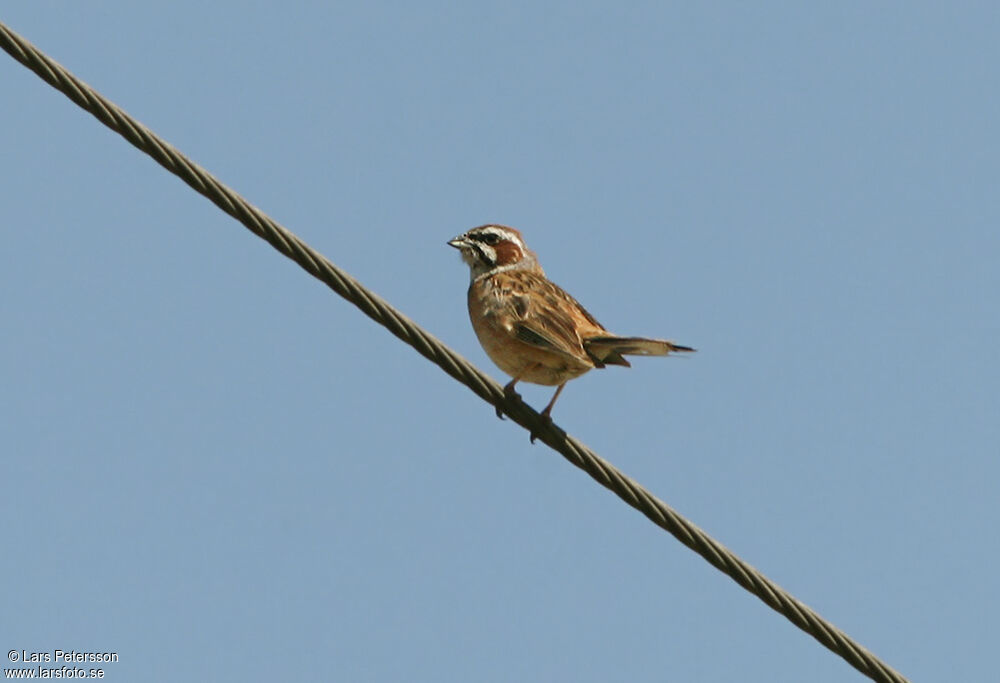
(610, 350)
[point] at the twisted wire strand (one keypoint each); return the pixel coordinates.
(455, 365)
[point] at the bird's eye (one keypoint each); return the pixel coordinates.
(490, 238)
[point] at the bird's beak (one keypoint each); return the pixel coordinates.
(458, 242)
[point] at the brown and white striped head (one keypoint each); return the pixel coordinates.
(491, 249)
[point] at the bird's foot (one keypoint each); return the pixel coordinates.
(546, 423)
(510, 395)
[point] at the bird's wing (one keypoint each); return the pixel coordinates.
(546, 316)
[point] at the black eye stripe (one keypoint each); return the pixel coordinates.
(485, 237)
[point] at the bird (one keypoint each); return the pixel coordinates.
(530, 327)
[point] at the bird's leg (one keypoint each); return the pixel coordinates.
(548, 409)
(508, 390)
(547, 412)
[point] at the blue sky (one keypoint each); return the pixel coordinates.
(220, 470)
